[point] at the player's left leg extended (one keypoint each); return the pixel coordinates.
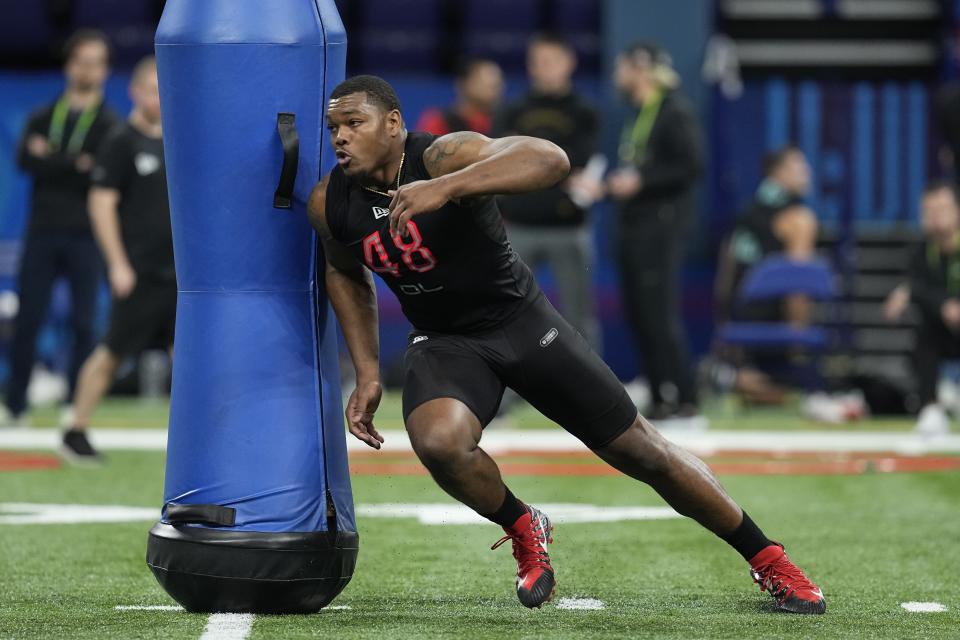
(687, 485)
(557, 373)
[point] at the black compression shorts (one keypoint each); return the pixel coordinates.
(537, 354)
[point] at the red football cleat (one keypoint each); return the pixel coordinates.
(777, 575)
(531, 534)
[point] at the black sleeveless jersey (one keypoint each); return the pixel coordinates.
(454, 273)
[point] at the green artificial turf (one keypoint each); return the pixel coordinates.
(870, 541)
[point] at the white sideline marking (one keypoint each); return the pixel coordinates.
(565, 513)
(702, 443)
(30, 513)
(590, 604)
(111, 439)
(228, 626)
(923, 607)
(148, 607)
(338, 607)
(448, 513)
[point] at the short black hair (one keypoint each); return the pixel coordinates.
(941, 184)
(773, 159)
(554, 38)
(82, 37)
(467, 66)
(377, 89)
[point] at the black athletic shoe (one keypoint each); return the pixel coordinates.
(76, 448)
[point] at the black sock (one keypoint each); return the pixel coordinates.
(747, 539)
(509, 511)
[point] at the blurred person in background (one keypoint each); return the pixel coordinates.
(933, 287)
(661, 161)
(131, 220)
(777, 221)
(551, 227)
(57, 149)
(479, 89)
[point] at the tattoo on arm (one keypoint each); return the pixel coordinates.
(438, 154)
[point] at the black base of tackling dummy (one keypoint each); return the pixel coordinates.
(209, 570)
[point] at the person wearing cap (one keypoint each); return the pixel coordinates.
(660, 163)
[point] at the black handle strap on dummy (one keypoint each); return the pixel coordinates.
(209, 514)
(287, 128)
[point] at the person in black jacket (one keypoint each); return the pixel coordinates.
(57, 149)
(548, 227)
(661, 159)
(933, 287)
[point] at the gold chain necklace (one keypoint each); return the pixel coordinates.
(403, 157)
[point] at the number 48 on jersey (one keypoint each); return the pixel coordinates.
(414, 255)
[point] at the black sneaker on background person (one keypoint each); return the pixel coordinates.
(76, 448)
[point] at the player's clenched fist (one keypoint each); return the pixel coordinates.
(413, 199)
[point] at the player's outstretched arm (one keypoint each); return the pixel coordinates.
(465, 164)
(354, 299)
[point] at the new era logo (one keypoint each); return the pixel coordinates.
(380, 212)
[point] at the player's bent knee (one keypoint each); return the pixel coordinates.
(440, 447)
(443, 430)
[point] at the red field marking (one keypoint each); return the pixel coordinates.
(751, 463)
(11, 461)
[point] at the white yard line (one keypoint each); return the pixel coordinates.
(588, 604)
(228, 626)
(176, 607)
(923, 607)
(495, 441)
(33, 513)
(449, 513)
(131, 439)
(444, 513)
